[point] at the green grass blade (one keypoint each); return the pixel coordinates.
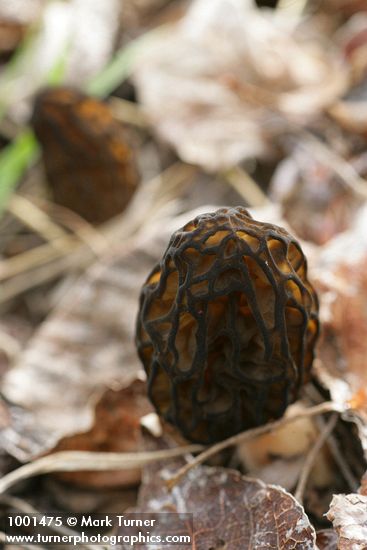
(14, 160)
(121, 66)
(114, 73)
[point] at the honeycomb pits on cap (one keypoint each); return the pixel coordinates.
(227, 325)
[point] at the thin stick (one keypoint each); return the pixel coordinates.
(128, 112)
(86, 232)
(340, 461)
(9, 345)
(38, 256)
(246, 186)
(323, 408)
(33, 217)
(78, 461)
(77, 255)
(61, 245)
(295, 7)
(342, 168)
(45, 273)
(312, 455)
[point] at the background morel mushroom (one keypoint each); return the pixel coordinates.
(227, 325)
(89, 164)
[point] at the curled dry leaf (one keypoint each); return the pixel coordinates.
(231, 511)
(315, 203)
(116, 428)
(212, 83)
(348, 513)
(340, 274)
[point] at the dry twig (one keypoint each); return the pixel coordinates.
(334, 449)
(45, 263)
(312, 455)
(78, 461)
(326, 407)
(246, 186)
(9, 345)
(342, 168)
(341, 462)
(30, 215)
(128, 112)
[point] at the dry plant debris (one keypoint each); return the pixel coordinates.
(270, 106)
(227, 325)
(220, 83)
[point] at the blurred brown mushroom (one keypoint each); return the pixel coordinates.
(89, 164)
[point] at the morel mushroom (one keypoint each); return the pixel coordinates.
(227, 325)
(89, 163)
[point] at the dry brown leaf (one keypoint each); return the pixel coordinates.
(116, 428)
(327, 539)
(212, 83)
(316, 204)
(348, 514)
(231, 511)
